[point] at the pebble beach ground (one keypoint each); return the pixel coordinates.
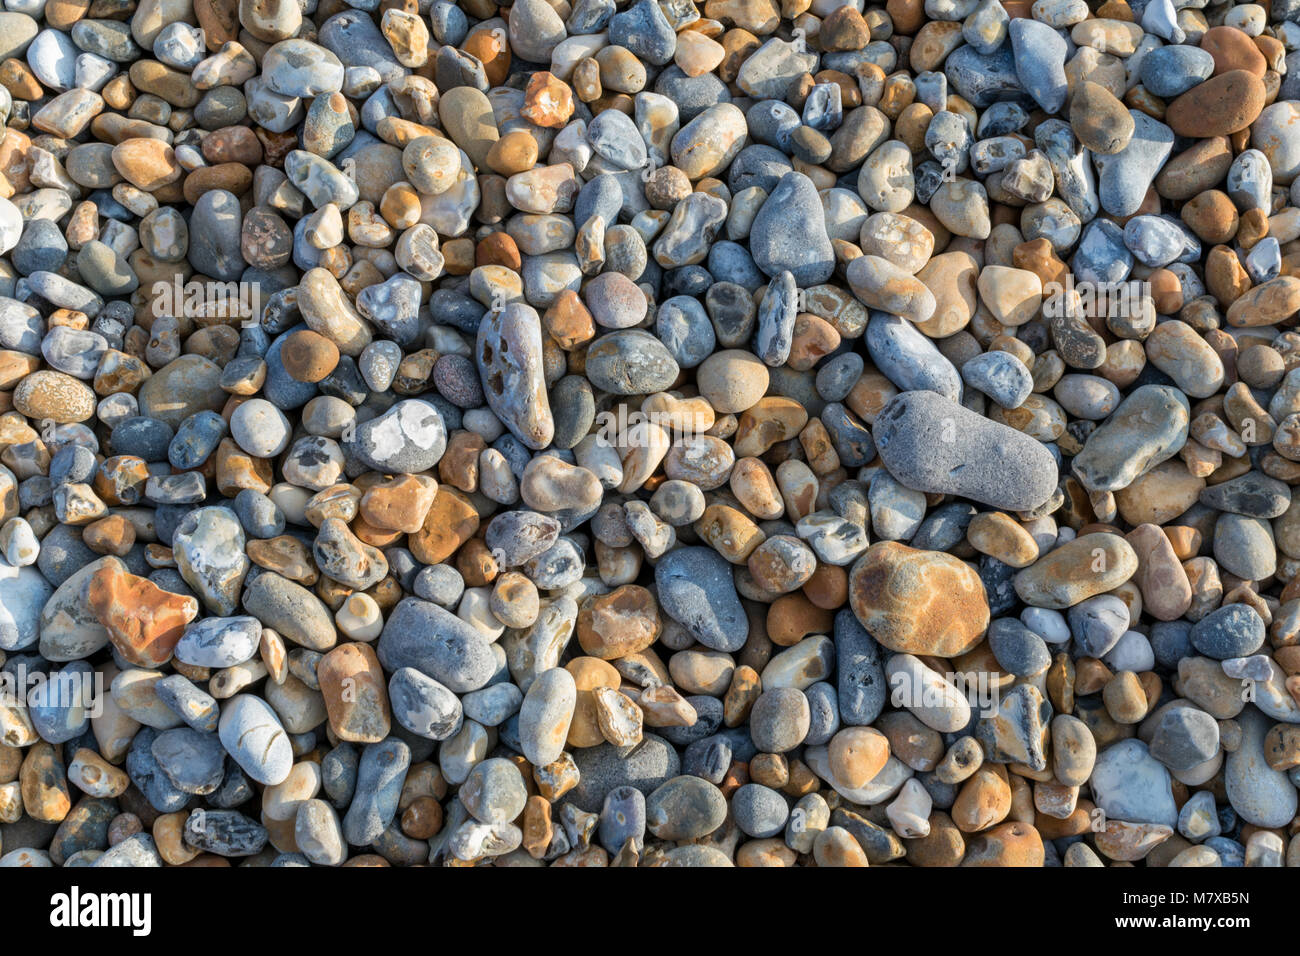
(649, 432)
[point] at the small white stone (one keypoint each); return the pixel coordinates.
(1159, 18)
(18, 542)
(475, 609)
(1132, 652)
(495, 479)
(93, 71)
(909, 813)
(1050, 625)
(11, 225)
(53, 58)
(359, 618)
(180, 45)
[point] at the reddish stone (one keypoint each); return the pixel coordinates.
(144, 622)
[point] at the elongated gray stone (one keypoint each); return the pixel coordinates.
(509, 355)
(789, 233)
(437, 643)
(545, 716)
(696, 589)
(1260, 795)
(909, 359)
(1149, 427)
(1040, 61)
(932, 444)
(252, 734)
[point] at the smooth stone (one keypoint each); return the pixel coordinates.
(1149, 427)
(1098, 623)
(219, 642)
(1040, 54)
(630, 362)
(1235, 630)
(545, 716)
(696, 589)
(380, 775)
(1128, 784)
(410, 437)
(422, 705)
(435, 642)
(252, 734)
(23, 595)
(1123, 178)
(208, 545)
(789, 233)
(931, 444)
(1260, 795)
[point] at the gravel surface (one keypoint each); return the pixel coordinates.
(649, 432)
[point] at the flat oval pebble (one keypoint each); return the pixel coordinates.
(928, 443)
(254, 737)
(695, 589)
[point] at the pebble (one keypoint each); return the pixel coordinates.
(695, 589)
(1000, 376)
(780, 720)
(1128, 784)
(1259, 794)
(927, 441)
(788, 234)
(545, 715)
(1121, 450)
(422, 705)
(1170, 71)
(1235, 630)
(1097, 623)
(255, 739)
(1040, 55)
(380, 774)
(1124, 177)
(509, 355)
(1184, 738)
(219, 642)
(208, 546)
(435, 642)
(759, 811)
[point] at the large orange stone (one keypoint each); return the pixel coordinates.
(622, 622)
(548, 102)
(918, 602)
(1223, 104)
(1007, 844)
(356, 694)
(144, 622)
(450, 522)
(400, 503)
